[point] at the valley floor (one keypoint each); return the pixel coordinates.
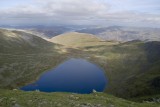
(17, 98)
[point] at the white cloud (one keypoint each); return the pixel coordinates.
(73, 11)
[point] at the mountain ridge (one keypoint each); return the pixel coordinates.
(124, 34)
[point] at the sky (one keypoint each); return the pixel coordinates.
(81, 12)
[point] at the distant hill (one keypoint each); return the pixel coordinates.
(49, 31)
(74, 39)
(44, 31)
(119, 33)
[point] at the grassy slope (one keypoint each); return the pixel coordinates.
(22, 59)
(38, 99)
(129, 70)
(18, 41)
(81, 39)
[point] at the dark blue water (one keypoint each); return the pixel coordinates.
(74, 75)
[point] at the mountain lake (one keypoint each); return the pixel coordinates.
(73, 75)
